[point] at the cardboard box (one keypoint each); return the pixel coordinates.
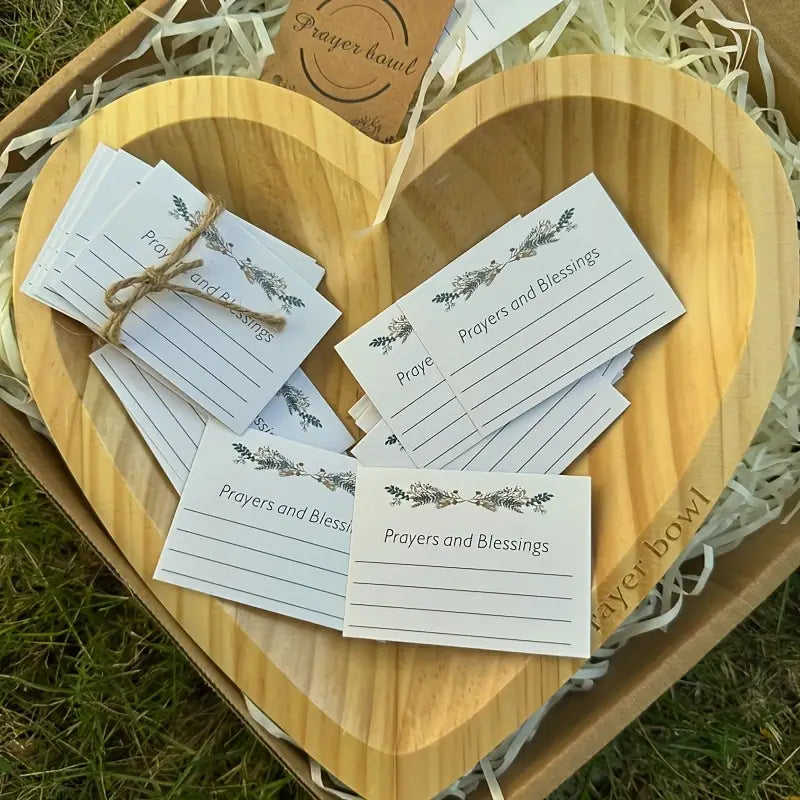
(585, 722)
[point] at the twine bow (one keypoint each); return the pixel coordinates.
(162, 277)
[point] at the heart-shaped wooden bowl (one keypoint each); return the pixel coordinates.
(700, 186)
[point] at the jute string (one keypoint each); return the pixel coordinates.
(162, 277)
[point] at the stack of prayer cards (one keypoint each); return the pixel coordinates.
(450, 523)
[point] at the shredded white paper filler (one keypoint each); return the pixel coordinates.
(235, 41)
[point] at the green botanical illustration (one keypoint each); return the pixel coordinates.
(399, 330)
(272, 459)
(392, 440)
(511, 498)
(298, 403)
(543, 233)
(274, 286)
(371, 126)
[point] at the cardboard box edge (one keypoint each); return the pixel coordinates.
(552, 756)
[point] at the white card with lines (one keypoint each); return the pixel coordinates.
(109, 177)
(227, 362)
(123, 175)
(538, 304)
(265, 522)
(546, 439)
(172, 426)
(397, 372)
(34, 283)
(492, 561)
(550, 436)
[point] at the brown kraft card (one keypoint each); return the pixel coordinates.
(363, 59)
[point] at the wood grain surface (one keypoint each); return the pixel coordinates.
(700, 186)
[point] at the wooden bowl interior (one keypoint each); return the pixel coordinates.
(507, 166)
(687, 212)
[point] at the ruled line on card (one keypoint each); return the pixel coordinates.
(168, 368)
(440, 431)
(220, 329)
(263, 552)
(160, 399)
(166, 338)
(193, 307)
(419, 397)
(468, 591)
(265, 530)
(533, 427)
(178, 376)
(459, 611)
(261, 574)
(237, 590)
(487, 442)
(183, 325)
(580, 438)
(470, 569)
(143, 412)
(556, 331)
(539, 318)
(449, 450)
(428, 415)
(573, 369)
(454, 633)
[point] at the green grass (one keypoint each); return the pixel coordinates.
(37, 37)
(95, 701)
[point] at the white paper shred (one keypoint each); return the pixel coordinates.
(236, 39)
